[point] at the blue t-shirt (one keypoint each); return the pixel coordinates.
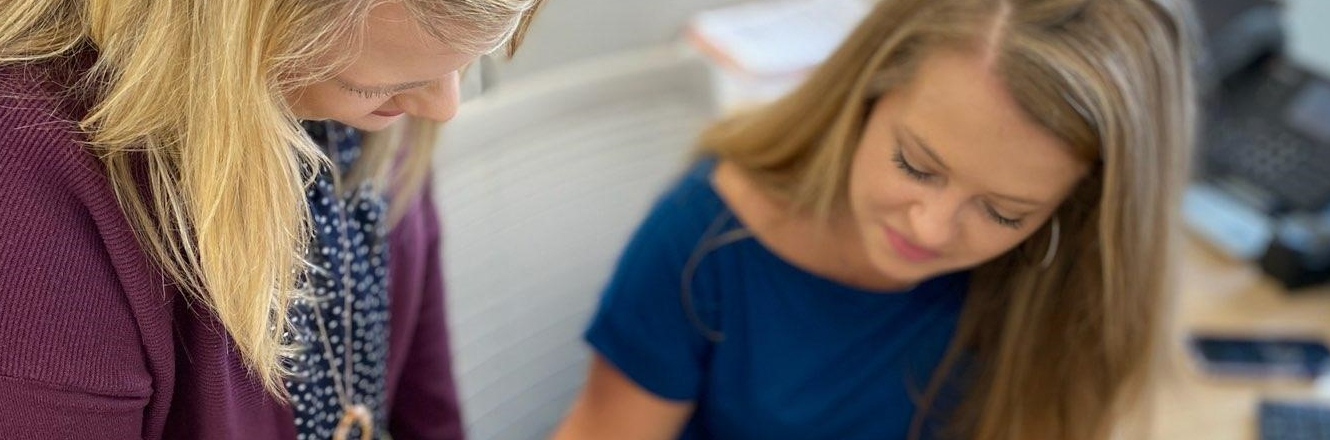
(799, 357)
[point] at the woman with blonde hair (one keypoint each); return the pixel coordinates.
(196, 245)
(959, 226)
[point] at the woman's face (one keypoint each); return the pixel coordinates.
(950, 172)
(401, 70)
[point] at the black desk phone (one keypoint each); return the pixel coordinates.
(1265, 137)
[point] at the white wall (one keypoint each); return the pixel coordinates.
(1308, 23)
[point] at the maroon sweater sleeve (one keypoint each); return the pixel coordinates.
(72, 362)
(424, 398)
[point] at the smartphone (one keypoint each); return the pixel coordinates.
(1304, 357)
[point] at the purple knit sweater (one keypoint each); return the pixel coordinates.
(95, 343)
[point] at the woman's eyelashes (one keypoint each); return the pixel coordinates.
(1014, 223)
(910, 170)
(925, 177)
(367, 94)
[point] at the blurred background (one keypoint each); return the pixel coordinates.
(556, 155)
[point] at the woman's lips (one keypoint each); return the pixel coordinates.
(905, 248)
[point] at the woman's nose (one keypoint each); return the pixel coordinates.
(437, 102)
(936, 220)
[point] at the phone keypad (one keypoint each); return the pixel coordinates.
(1294, 421)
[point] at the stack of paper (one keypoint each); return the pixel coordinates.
(763, 49)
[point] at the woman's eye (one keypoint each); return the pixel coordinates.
(367, 94)
(1014, 223)
(910, 170)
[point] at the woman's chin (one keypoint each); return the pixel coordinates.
(894, 270)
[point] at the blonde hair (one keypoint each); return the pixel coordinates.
(187, 99)
(1058, 353)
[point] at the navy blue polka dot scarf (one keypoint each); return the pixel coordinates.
(347, 284)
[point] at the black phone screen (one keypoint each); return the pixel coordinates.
(1303, 356)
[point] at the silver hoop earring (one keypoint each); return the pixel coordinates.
(1052, 245)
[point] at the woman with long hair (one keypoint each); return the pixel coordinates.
(214, 222)
(960, 226)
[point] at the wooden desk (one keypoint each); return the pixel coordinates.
(1219, 294)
